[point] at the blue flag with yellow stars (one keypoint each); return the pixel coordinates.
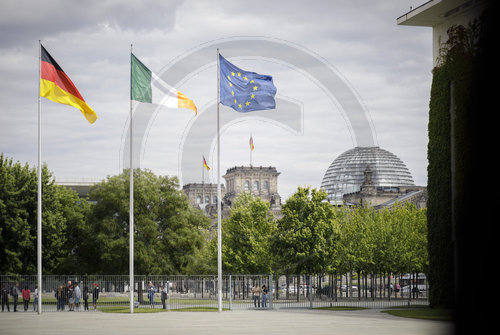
(245, 91)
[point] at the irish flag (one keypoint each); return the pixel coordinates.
(55, 85)
(148, 87)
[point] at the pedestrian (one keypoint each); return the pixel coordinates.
(35, 302)
(59, 298)
(26, 297)
(95, 295)
(64, 296)
(164, 295)
(71, 298)
(256, 295)
(77, 295)
(15, 294)
(5, 297)
(151, 294)
(264, 296)
(86, 297)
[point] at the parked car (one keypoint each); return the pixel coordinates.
(418, 288)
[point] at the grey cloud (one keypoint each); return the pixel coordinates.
(22, 22)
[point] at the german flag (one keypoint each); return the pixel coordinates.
(205, 164)
(55, 85)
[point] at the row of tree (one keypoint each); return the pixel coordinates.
(91, 236)
(315, 237)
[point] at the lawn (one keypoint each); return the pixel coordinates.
(425, 313)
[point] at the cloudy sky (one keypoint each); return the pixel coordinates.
(385, 66)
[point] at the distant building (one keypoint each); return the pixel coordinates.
(370, 195)
(346, 174)
(260, 182)
(81, 187)
(204, 196)
(371, 176)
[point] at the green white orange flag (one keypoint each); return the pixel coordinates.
(148, 87)
(55, 85)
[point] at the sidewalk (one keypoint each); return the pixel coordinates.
(371, 322)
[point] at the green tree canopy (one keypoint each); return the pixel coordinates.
(307, 234)
(246, 237)
(168, 230)
(63, 216)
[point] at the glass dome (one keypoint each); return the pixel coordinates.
(346, 173)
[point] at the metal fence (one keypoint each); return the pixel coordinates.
(179, 292)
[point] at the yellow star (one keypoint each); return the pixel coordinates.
(255, 88)
(251, 81)
(232, 74)
(239, 105)
(247, 103)
(252, 96)
(232, 92)
(245, 77)
(235, 101)
(231, 84)
(228, 77)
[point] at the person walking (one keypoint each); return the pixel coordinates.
(69, 294)
(86, 297)
(15, 294)
(78, 294)
(26, 297)
(164, 295)
(95, 295)
(59, 298)
(264, 296)
(256, 295)
(151, 294)
(5, 297)
(35, 302)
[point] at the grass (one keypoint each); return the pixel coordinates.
(341, 308)
(157, 310)
(424, 313)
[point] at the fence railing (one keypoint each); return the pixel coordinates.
(180, 292)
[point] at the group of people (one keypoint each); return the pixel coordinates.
(70, 294)
(15, 292)
(163, 294)
(256, 293)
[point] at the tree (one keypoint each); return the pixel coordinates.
(307, 234)
(63, 215)
(168, 230)
(246, 236)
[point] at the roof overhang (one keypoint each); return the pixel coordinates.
(435, 12)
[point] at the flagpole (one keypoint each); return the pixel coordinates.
(250, 147)
(39, 171)
(219, 206)
(131, 210)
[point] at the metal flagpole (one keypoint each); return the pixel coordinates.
(39, 201)
(131, 210)
(250, 147)
(219, 209)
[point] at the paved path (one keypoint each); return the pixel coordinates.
(371, 322)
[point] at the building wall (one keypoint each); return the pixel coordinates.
(201, 194)
(259, 181)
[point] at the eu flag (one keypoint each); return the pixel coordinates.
(245, 91)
